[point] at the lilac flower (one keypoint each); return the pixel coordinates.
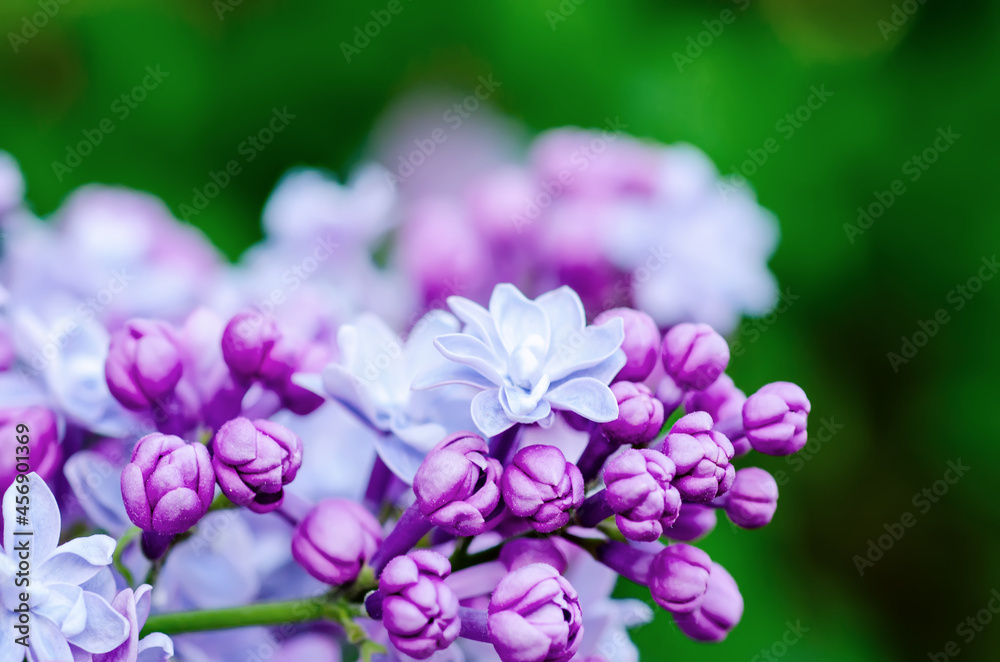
(774, 419)
(372, 379)
(694, 521)
(530, 357)
(694, 355)
(542, 486)
(702, 457)
(640, 415)
(418, 609)
(753, 498)
(143, 364)
(71, 585)
(154, 647)
(534, 616)
(253, 460)
(43, 433)
(641, 344)
(719, 611)
(678, 578)
(640, 493)
(335, 539)
(458, 485)
(169, 484)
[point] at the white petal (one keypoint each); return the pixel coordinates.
(77, 560)
(470, 351)
(10, 650)
(102, 502)
(603, 372)
(155, 647)
(587, 397)
(592, 346)
(517, 317)
(450, 373)
(310, 381)
(106, 629)
(47, 642)
(477, 321)
(565, 312)
(488, 415)
(43, 518)
(143, 600)
(401, 458)
(64, 605)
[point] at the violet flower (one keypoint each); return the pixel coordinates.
(774, 419)
(254, 460)
(530, 357)
(702, 457)
(154, 647)
(752, 500)
(335, 539)
(694, 355)
(458, 485)
(678, 578)
(543, 487)
(694, 521)
(144, 363)
(719, 611)
(418, 609)
(640, 493)
(640, 414)
(534, 616)
(45, 453)
(641, 344)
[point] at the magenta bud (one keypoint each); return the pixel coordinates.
(753, 498)
(247, 341)
(169, 484)
(641, 344)
(458, 484)
(639, 491)
(640, 415)
(774, 419)
(694, 355)
(144, 363)
(678, 578)
(534, 616)
(694, 521)
(702, 456)
(335, 539)
(418, 609)
(543, 487)
(41, 432)
(719, 612)
(254, 460)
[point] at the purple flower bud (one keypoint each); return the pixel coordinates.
(722, 400)
(253, 460)
(143, 364)
(753, 498)
(640, 415)
(542, 486)
(169, 484)
(524, 551)
(458, 484)
(694, 521)
(641, 345)
(719, 612)
(678, 578)
(247, 341)
(45, 453)
(639, 491)
(534, 616)
(774, 418)
(335, 539)
(702, 457)
(418, 609)
(694, 355)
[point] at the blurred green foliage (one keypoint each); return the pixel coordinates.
(893, 88)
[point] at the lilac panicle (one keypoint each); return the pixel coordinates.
(418, 609)
(719, 612)
(458, 484)
(253, 460)
(694, 355)
(702, 457)
(335, 539)
(535, 616)
(640, 493)
(543, 487)
(640, 415)
(169, 484)
(774, 419)
(678, 578)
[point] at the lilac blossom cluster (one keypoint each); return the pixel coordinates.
(312, 450)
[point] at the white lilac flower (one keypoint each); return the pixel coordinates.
(70, 584)
(372, 379)
(155, 646)
(530, 357)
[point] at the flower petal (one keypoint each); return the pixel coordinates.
(10, 650)
(44, 519)
(585, 396)
(517, 317)
(450, 373)
(565, 313)
(488, 415)
(603, 372)
(589, 347)
(77, 560)
(64, 606)
(155, 647)
(106, 629)
(471, 351)
(477, 322)
(47, 643)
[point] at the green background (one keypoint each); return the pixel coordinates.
(891, 94)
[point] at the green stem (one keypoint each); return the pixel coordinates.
(127, 537)
(267, 613)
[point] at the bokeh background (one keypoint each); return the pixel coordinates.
(896, 79)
